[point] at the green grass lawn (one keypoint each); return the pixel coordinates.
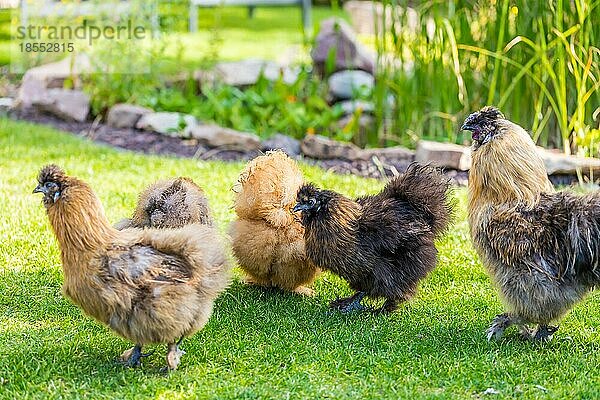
(5, 37)
(259, 344)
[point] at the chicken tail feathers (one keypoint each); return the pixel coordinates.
(584, 231)
(427, 191)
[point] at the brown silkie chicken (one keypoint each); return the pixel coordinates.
(541, 248)
(268, 241)
(383, 245)
(170, 203)
(150, 285)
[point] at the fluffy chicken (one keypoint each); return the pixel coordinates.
(541, 248)
(267, 239)
(148, 286)
(170, 203)
(383, 245)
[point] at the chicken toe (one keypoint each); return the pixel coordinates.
(543, 333)
(499, 324)
(133, 357)
(304, 291)
(349, 304)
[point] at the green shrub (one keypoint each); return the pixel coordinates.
(264, 108)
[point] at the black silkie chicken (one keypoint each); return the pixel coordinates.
(540, 247)
(383, 245)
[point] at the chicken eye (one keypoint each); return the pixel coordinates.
(312, 201)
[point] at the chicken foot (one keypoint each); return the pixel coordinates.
(541, 334)
(349, 304)
(304, 291)
(133, 357)
(503, 321)
(174, 354)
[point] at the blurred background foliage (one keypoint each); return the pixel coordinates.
(538, 61)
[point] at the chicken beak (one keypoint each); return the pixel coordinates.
(299, 207)
(40, 189)
(466, 127)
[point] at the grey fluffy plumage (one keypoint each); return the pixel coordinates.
(541, 248)
(170, 203)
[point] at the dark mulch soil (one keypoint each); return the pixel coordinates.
(136, 140)
(154, 143)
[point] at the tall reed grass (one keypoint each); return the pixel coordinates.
(538, 61)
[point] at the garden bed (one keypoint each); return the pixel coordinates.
(154, 143)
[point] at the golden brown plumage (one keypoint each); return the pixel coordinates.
(170, 203)
(541, 248)
(149, 286)
(267, 240)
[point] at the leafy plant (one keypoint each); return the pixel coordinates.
(538, 61)
(121, 80)
(265, 108)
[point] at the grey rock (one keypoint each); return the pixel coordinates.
(561, 164)
(319, 147)
(69, 105)
(218, 136)
(336, 35)
(53, 75)
(6, 104)
(278, 141)
(458, 178)
(31, 91)
(168, 123)
(125, 115)
(445, 155)
(344, 84)
(246, 73)
(350, 106)
(388, 154)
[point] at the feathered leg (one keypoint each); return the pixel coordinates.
(349, 304)
(304, 291)
(501, 322)
(174, 354)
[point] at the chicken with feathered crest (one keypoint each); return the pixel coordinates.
(169, 203)
(148, 286)
(383, 244)
(540, 247)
